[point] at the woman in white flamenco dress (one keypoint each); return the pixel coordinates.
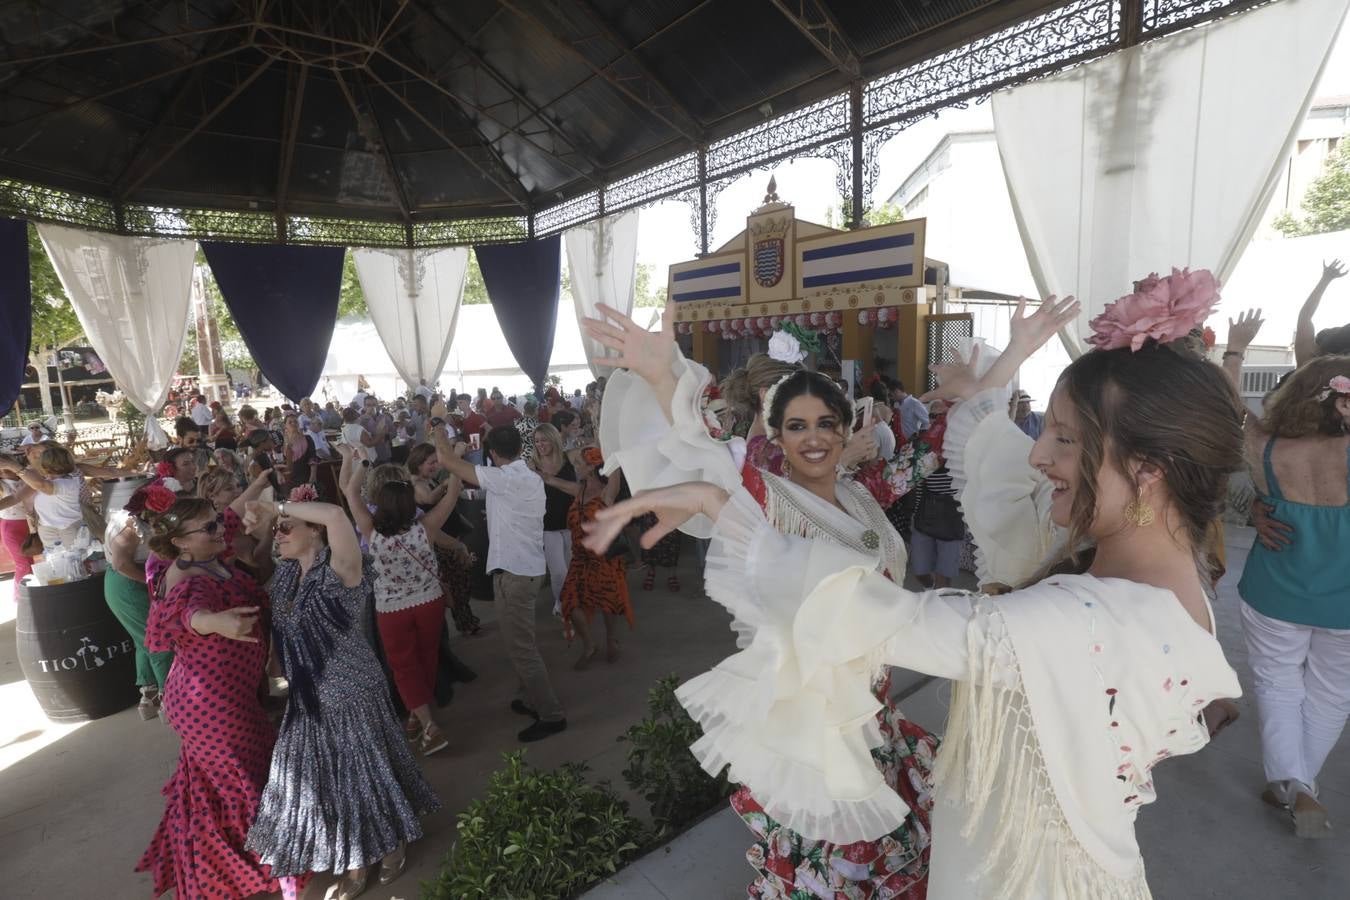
(1067, 691)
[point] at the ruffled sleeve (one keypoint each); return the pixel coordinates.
(793, 713)
(1005, 502)
(653, 452)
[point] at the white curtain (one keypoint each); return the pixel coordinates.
(602, 263)
(1162, 155)
(413, 297)
(132, 296)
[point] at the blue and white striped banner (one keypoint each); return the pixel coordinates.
(870, 259)
(715, 281)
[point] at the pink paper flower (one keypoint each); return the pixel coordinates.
(1338, 385)
(1162, 309)
(304, 493)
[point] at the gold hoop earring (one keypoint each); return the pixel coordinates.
(787, 468)
(1139, 512)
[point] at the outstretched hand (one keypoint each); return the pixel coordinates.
(1030, 332)
(1242, 332)
(1332, 270)
(645, 353)
(673, 506)
(956, 380)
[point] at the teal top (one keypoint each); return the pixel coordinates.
(1307, 582)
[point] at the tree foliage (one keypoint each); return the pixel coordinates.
(475, 289)
(644, 294)
(1326, 205)
(54, 321)
(885, 214)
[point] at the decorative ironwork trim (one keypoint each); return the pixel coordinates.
(567, 214)
(1164, 16)
(657, 183)
(452, 232)
(783, 136)
(29, 201)
(344, 232)
(229, 225)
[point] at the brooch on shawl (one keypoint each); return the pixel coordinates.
(871, 540)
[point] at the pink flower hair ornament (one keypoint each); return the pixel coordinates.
(1339, 385)
(1160, 309)
(304, 493)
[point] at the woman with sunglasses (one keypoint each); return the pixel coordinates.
(209, 619)
(344, 792)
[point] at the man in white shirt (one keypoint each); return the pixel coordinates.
(201, 413)
(515, 560)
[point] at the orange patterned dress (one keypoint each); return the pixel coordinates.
(593, 583)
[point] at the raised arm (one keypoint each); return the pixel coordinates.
(642, 352)
(351, 489)
(251, 493)
(1240, 336)
(1305, 339)
(346, 549)
(435, 517)
(451, 458)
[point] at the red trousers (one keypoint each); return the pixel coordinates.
(412, 639)
(13, 532)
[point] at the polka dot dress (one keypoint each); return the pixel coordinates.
(211, 701)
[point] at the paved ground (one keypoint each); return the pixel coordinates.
(79, 803)
(1208, 836)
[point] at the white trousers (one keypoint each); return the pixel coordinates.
(1301, 679)
(558, 557)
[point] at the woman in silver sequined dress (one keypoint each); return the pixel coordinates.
(344, 791)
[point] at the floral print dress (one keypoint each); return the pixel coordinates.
(792, 866)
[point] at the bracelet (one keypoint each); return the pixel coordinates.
(281, 507)
(1238, 353)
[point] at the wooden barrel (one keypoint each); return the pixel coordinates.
(78, 659)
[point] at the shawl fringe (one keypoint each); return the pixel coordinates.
(991, 742)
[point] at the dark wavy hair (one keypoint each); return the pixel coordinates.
(810, 384)
(395, 508)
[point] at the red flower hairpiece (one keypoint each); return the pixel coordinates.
(593, 457)
(158, 498)
(165, 469)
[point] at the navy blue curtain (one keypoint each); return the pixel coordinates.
(16, 309)
(522, 282)
(284, 300)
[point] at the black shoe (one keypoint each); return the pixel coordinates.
(519, 707)
(540, 730)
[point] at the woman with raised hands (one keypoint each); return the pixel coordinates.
(1068, 690)
(802, 431)
(344, 791)
(409, 600)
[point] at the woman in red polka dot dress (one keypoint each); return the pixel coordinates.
(210, 620)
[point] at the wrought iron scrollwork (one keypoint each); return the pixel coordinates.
(452, 232)
(231, 225)
(566, 214)
(655, 184)
(780, 137)
(30, 201)
(1077, 31)
(1168, 15)
(344, 232)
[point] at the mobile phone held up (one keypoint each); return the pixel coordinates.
(862, 413)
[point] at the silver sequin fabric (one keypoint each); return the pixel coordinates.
(344, 788)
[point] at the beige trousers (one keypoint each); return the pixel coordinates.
(515, 596)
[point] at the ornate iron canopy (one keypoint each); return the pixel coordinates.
(418, 122)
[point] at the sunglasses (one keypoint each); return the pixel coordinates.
(283, 527)
(209, 528)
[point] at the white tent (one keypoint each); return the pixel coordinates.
(479, 357)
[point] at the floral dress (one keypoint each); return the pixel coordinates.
(211, 700)
(792, 866)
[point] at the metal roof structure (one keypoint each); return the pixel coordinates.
(423, 122)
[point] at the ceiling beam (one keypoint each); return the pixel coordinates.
(651, 94)
(815, 21)
(476, 109)
(368, 126)
(534, 110)
(516, 191)
(151, 166)
(121, 88)
(296, 76)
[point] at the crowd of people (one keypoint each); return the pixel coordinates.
(325, 545)
(300, 563)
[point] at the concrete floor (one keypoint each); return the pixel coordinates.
(78, 803)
